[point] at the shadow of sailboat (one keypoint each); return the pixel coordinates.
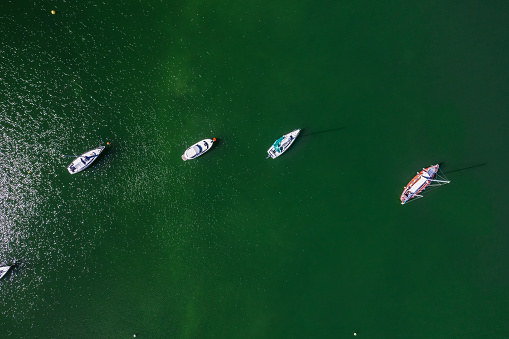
(325, 131)
(465, 168)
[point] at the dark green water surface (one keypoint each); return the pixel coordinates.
(314, 244)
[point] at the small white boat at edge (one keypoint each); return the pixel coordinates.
(282, 144)
(198, 149)
(4, 270)
(84, 160)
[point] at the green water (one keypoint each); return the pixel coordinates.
(314, 244)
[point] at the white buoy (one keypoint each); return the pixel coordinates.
(354, 333)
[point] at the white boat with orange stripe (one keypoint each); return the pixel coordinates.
(423, 179)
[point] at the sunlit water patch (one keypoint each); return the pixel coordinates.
(62, 100)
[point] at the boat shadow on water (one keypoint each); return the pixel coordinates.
(307, 134)
(304, 132)
(442, 165)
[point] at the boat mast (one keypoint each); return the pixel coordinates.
(442, 181)
(79, 156)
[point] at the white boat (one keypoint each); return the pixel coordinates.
(4, 270)
(198, 149)
(84, 160)
(423, 179)
(282, 144)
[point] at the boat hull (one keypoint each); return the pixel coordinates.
(284, 144)
(4, 270)
(198, 149)
(418, 183)
(84, 160)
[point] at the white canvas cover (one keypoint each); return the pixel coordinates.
(415, 187)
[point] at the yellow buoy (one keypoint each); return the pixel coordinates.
(53, 12)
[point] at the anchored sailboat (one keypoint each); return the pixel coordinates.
(84, 160)
(423, 179)
(282, 144)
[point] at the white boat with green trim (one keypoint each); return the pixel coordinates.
(282, 144)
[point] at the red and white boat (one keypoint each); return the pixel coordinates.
(420, 182)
